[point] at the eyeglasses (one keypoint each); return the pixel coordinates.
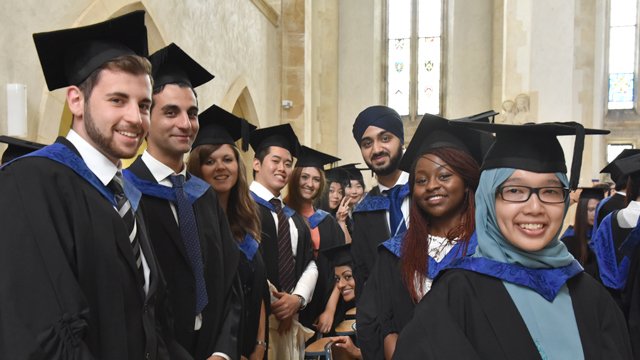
(547, 195)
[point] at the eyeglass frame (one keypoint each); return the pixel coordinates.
(534, 190)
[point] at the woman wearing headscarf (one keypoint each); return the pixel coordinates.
(521, 295)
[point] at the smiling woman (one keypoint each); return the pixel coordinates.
(533, 297)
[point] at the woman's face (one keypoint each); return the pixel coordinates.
(335, 195)
(345, 282)
(591, 210)
(437, 189)
(355, 191)
(309, 183)
(529, 225)
(220, 169)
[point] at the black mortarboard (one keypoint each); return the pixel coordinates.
(218, 126)
(613, 170)
(17, 147)
(171, 65)
(313, 158)
(627, 165)
(434, 132)
(69, 56)
(533, 147)
(279, 135)
(346, 172)
(596, 192)
(339, 255)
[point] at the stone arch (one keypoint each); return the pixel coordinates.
(239, 101)
(54, 115)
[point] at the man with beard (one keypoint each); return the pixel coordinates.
(192, 238)
(383, 213)
(78, 277)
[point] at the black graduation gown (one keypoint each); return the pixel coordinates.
(467, 315)
(221, 316)
(385, 306)
(69, 287)
(573, 245)
(330, 235)
(269, 246)
(631, 302)
(614, 202)
(370, 229)
(255, 291)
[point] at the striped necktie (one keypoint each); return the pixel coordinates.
(286, 262)
(126, 213)
(191, 240)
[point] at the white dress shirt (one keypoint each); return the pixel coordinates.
(628, 217)
(406, 203)
(104, 170)
(307, 282)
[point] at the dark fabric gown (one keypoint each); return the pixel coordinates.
(631, 297)
(269, 246)
(254, 288)
(69, 287)
(330, 235)
(467, 315)
(221, 316)
(573, 245)
(613, 265)
(370, 229)
(608, 205)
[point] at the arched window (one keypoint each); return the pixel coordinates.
(623, 47)
(414, 56)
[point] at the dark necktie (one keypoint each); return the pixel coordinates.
(191, 240)
(126, 213)
(286, 263)
(396, 196)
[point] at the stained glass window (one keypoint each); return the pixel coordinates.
(414, 56)
(622, 54)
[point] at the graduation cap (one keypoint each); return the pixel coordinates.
(69, 56)
(346, 172)
(613, 170)
(171, 65)
(434, 132)
(17, 147)
(339, 255)
(533, 147)
(596, 192)
(313, 158)
(627, 166)
(279, 135)
(218, 126)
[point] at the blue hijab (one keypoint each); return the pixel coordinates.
(549, 317)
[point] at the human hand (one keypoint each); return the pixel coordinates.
(324, 322)
(343, 209)
(286, 305)
(344, 342)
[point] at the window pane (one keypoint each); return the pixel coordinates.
(398, 75)
(399, 19)
(613, 150)
(621, 91)
(623, 12)
(429, 75)
(622, 49)
(429, 18)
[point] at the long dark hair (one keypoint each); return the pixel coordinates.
(415, 246)
(580, 228)
(242, 211)
(633, 187)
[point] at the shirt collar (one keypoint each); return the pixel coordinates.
(402, 179)
(263, 192)
(159, 170)
(99, 164)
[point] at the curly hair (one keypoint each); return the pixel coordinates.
(242, 211)
(415, 245)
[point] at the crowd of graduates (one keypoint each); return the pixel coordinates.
(455, 253)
